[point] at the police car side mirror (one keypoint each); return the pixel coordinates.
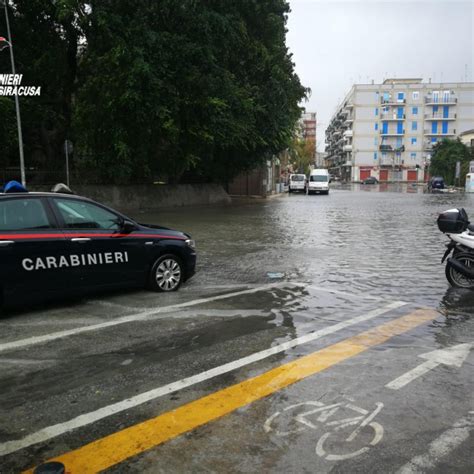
(128, 226)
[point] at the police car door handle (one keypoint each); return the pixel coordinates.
(5, 243)
(81, 239)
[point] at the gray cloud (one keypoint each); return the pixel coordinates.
(336, 44)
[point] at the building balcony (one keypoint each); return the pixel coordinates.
(349, 106)
(348, 133)
(445, 100)
(386, 161)
(392, 134)
(392, 117)
(449, 133)
(390, 148)
(436, 116)
(347, 148)
(390, 101)
(349, 120)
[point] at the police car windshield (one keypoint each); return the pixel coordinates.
(319, 178)
(298, 177)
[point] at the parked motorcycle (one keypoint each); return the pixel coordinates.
(460, 266)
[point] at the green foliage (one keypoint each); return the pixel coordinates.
(8, 131)
(45, 54)
(445, 155)
(301, 153)
(156, 89)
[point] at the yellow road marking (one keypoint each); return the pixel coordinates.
(119, 446)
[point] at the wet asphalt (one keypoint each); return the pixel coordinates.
(291, 266)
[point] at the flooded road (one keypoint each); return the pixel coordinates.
(318, 335)
(361, 240)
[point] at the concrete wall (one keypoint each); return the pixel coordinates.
(150, 197)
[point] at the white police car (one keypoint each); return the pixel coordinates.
(60, 244)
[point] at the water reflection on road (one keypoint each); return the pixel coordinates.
(379, 240)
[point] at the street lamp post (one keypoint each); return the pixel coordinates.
(17, 103)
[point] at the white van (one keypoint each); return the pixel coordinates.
(297, 183)
(318, 182)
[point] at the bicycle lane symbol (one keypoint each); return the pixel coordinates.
(301, 415)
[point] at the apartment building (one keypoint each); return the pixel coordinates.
(388, 130)
(307, 130)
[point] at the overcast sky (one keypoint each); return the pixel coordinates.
(338, 43)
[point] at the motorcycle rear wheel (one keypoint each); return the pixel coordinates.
(457, 279)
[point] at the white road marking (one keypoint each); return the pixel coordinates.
(88, 418)
(453, 356)
(30, 341)
(346, 294)
(440, 447)
(111, 304)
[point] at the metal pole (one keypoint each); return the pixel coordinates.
(17, 103)
(67, 162)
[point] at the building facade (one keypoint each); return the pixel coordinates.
(307, 125)
(467, 137)
(388, 130)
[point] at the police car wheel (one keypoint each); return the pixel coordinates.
(166, 274)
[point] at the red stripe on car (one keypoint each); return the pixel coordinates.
(81, 234)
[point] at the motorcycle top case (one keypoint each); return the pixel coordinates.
(453, 221)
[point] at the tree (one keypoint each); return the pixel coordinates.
(301, 154)
(445, 155)
(45, 35)
(148, 89)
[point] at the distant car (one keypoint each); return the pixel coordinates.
(297, 183)
(319, 180)
(436, 182)
(371, 180)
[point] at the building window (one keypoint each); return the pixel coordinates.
(414, 125)
(384, 155)
(413, 156)
(376, 110)
(414, 110)
(376, 126)
(434, 139)
(401, 96)
(399, 142)
(416, 95)
(375, 155)
(413, 141)
(376, 141)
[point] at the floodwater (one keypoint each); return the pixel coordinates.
(363, 260)
(377, 240)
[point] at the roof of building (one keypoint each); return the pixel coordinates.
(403, 80)
(466, 132)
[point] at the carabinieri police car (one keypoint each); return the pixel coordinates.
(61, 243)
